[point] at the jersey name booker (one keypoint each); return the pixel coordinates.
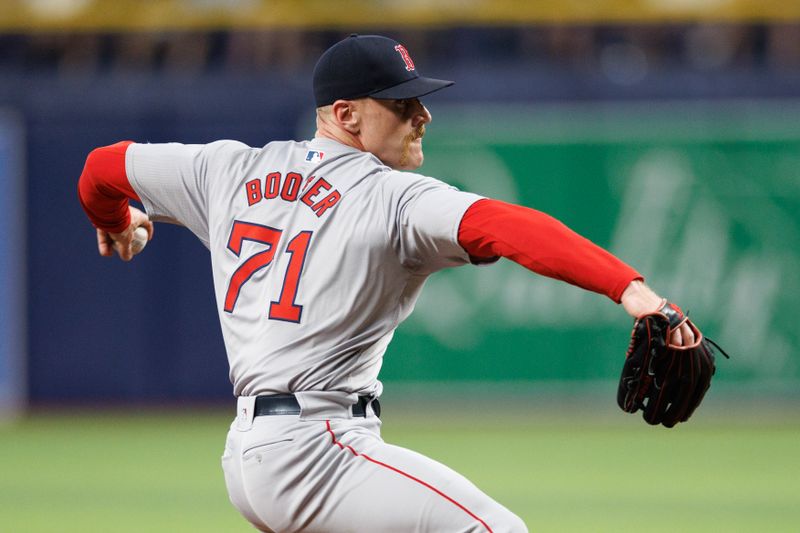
(316, 260)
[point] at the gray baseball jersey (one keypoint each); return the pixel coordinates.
(319, 251)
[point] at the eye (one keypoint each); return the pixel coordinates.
(405, 106)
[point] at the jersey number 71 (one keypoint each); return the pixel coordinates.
(284, 308)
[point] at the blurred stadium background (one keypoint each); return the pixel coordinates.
(673, 115)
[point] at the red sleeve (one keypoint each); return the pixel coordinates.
(104, 189)
(539, 242)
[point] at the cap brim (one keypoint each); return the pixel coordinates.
(413, 88)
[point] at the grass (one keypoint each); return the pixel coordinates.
(125, 472)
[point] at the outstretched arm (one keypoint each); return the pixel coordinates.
(104, 191)
(539, 242)
(638, 299)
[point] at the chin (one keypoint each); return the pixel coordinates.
(410, 159)
(414, 161)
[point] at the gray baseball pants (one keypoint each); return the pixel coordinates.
(327, 471)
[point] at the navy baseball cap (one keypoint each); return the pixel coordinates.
(369, 65)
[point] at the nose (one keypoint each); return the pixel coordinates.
(421, 114)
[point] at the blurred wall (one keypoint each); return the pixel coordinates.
(100, 330)
(13, 298)
(703, 198)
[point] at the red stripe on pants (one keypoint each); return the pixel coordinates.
(334, 441)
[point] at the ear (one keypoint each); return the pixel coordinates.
(347, 115)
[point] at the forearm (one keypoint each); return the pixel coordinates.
(544, 245)
(104, 189)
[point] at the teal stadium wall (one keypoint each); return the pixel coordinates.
(702, 198)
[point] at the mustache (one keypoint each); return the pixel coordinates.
(418, 133)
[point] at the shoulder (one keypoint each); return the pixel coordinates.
(229, 148)
(283, 146)
(283, 151)
(189, 150)
(228, 145)
(402, 181)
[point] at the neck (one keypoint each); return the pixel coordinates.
(328, 130)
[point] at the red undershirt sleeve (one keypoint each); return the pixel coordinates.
(540, 243)
(104, 189)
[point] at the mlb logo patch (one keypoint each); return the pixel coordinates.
(314, 157)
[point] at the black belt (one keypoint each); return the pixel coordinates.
(287, 404)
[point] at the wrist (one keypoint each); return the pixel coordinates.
(639, 299)
(115, 227)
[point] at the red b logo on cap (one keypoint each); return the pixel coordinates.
(404, 54)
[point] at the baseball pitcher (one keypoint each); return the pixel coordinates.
(319, 251)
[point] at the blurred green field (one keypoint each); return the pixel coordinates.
(121, 471)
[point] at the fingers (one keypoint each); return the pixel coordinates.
(688, 334)
(104, 244)
(682, 336)
(148, 225)
(139, 219)
(677, 337)
(124, 250)
(121, 243)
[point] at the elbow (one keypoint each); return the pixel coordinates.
(93, 160)
(86, 178)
